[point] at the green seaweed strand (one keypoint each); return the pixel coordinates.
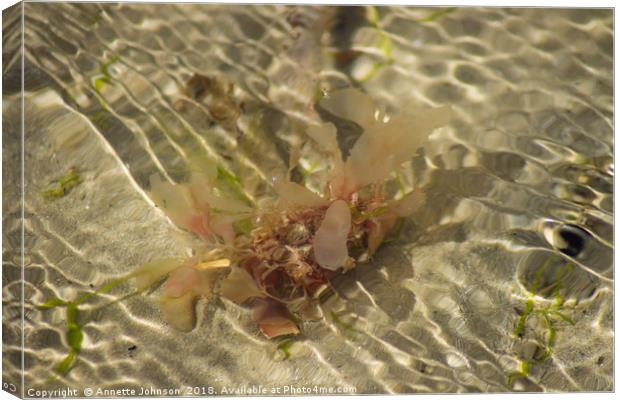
(285, 347)
(546, 313)
(529, 307)
(104, 77)
(233, 184)
(64, 186)
(74, 333)
(75, 336)
(385, 44)
(347, 327)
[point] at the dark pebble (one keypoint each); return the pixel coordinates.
(575, 239)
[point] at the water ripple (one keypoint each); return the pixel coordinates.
(526, 163)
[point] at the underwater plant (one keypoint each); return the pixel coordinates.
(279, 258)
(548, 314)
(63, 185)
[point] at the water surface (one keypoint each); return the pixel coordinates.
(520, 193)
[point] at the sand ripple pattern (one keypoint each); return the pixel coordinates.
(526, 162)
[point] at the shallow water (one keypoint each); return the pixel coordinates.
(520, 193)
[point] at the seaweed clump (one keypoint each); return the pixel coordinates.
(288, 251)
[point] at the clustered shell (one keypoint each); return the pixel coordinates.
(286, 261)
